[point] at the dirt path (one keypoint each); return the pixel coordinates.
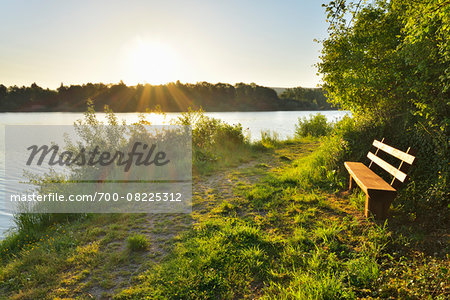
(210, 190)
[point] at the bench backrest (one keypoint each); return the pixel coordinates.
(406, 160)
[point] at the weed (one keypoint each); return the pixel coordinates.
(137, 242)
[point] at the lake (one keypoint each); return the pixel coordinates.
(281, 122)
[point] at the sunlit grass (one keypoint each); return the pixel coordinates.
(287, 235)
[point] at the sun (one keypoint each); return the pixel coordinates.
(150, 62)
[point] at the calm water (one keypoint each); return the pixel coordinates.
(281, 122)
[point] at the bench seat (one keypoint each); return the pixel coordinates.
(367, 180)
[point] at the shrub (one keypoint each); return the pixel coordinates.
(215, 143)
(137, 242)
(270, 138)
(316, 125)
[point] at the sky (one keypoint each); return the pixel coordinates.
(270, 43)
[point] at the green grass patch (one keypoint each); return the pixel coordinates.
(138, 242)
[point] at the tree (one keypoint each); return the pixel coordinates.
(308, 98)
(392, 59)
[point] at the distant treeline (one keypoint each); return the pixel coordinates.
(171, 97)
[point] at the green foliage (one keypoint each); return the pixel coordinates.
(137, 242)
(35, 222)
(393, 60)
(214, 142)
(391, 67)
(210, 133)
(314, 286)
(316, 126)
(310, 99)
(270, 139)
(13, 242)
(362, 271)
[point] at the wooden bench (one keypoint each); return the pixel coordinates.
(379, 193)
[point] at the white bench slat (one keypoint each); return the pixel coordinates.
(407, 158)
(387, 167)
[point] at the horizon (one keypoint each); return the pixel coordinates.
(270, 44)
(160, 84)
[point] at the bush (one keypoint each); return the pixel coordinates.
(316, 125)
(210, 133)
(137, 242)
(270, 138)
(214, 143)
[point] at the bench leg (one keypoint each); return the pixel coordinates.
(351, 184)
(378, 205)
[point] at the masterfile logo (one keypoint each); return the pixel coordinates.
(81, 157)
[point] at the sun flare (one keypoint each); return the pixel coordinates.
(150, 62)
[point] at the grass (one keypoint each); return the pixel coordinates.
(276, 228)
(283, 238)
(137, 242)
(86, 257)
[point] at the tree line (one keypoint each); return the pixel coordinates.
(171, 97)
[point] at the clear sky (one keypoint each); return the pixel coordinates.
(266, 42)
